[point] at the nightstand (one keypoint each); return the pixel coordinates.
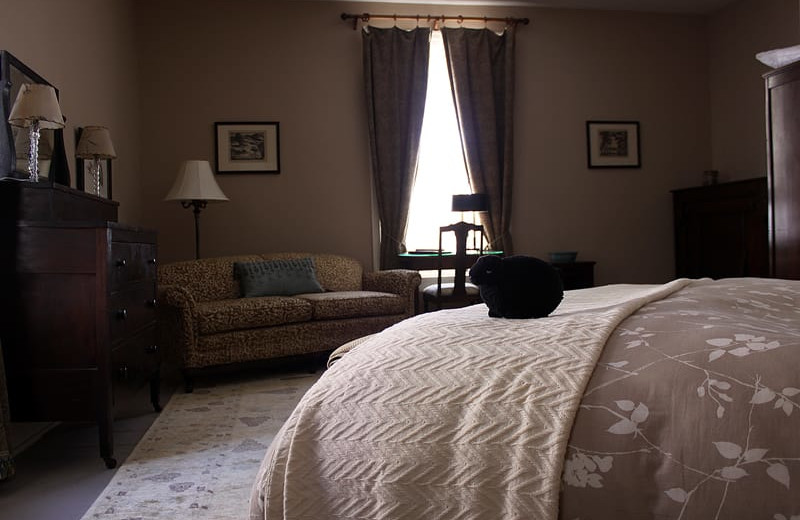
(576, 275)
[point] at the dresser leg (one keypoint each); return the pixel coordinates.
(155, 391)
(188, 382)
(106, 432)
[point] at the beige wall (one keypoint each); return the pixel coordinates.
(297, 63)
(736, 34)
(292, 62)
(688, 80)
(86, 49)
(582, 65)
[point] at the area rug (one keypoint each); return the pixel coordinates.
(200, 457)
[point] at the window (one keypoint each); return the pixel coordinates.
(441, 172)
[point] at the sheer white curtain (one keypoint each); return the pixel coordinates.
(441, 172)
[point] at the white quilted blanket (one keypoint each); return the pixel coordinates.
(447, 415)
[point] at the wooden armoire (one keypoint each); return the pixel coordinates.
(783, 174)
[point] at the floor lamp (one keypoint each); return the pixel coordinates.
(195, 187)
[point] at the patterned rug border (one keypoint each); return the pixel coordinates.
(200, 456)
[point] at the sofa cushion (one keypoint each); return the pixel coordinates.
(352, 304)
(246, 313)
(285, 277)
(334, 272)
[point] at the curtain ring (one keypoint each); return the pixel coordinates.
(460, 20)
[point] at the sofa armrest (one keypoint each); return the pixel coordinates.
(403, 282)
(177, 322)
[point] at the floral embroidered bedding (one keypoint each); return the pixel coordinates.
(629, 402)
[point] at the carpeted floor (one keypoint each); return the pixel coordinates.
(200, 457)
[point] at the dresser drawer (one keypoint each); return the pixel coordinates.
(135, 361)
(131, 309)
(131, 262)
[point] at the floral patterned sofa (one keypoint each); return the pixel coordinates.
(205, 323)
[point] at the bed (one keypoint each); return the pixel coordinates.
(674, 401)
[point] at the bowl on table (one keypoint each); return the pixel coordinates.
(562, 257)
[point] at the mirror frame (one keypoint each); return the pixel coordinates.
(59, 169)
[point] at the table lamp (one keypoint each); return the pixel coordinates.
(472, 202)
(95, 144)
(195, 187)
(35, 108)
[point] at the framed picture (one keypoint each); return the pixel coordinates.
(613, 144)
(247, 147)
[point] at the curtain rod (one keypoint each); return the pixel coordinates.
(427, 18)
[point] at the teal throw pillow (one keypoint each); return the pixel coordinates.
(277, 277)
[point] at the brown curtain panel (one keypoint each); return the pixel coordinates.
(396, 78)
(481, 67)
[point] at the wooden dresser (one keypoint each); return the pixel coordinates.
(721, 230)
(78, 307)
(783, 170)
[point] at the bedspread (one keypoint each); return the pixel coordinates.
(450, 415)
(693, 412)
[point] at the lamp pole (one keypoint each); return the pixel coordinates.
(198, 205)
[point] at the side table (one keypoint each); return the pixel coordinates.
(576, 275)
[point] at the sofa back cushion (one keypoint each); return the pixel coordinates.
(206, 279)
(210, 279)
(334, 272)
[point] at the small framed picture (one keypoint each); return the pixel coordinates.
(613, 144)
(247, 147)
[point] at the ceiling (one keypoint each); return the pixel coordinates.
(657, 6)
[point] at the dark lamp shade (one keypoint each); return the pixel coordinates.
(472, 202)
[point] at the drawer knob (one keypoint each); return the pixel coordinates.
(151, 349)
(122, 314)
(151, 261)
(122, 262)
(151, 302)
(122, 372)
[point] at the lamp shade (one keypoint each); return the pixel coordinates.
(196, 181)
(95, 143)
(471, 202)
(36, 102)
